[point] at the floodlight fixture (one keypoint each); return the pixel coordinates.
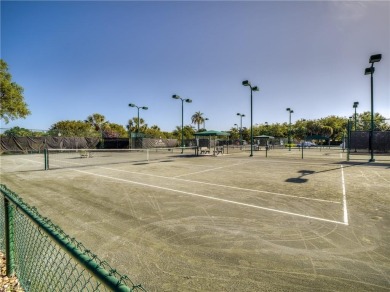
(246, 83)
(369, 71)
(375, 58)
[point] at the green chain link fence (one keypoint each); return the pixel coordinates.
(44, 258)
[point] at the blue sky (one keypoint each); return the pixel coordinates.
(75, 58)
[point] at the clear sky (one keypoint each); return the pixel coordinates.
(75, 58)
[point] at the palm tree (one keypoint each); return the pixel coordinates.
(197, 119)
(97, 121)
(133, 124)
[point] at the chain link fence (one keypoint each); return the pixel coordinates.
(44, 258)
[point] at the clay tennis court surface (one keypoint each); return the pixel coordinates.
(226, 223)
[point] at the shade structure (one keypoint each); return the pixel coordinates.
(264, 137)
(212, 133)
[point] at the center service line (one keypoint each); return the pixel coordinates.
(212, 198)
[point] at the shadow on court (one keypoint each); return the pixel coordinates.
(300, 178)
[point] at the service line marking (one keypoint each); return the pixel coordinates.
(212, 198)
(222, 186)
(344, 196)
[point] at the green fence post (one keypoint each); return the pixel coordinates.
(46, 158)
(9, 238)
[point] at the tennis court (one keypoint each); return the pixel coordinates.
(179, 222)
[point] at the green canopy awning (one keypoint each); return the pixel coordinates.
(263, 137)
(212, 133)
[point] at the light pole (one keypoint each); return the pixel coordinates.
(355, 105)
(266, 128)
(138, 107)
(289, 128)
(240, 115)
(370, 71)
(182, 122)
(349, 136)
(204, 123)
(304, 136)
(253, 88)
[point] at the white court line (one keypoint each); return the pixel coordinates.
(222, 186)
(212, 198)
(344, 196)
(210, 184)
(229, 201)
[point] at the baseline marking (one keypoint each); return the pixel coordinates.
(212, 198)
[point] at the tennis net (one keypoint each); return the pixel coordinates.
(72, 158)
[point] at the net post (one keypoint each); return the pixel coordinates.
(147, 154)
(46, 158)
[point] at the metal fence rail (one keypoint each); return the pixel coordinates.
(46, 259)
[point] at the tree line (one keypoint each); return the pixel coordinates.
(96, 125)
(13, 107)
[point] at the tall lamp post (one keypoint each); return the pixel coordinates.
(138, 108)
(355, 105)
(204, 123)
(182, 121)
(253, 88)
(349, 122)
(370, 71)
(289, 128)
(304, 136)
(240, 115)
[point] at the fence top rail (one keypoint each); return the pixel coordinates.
(101, 269)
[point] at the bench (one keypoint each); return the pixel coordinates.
(204, 150)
